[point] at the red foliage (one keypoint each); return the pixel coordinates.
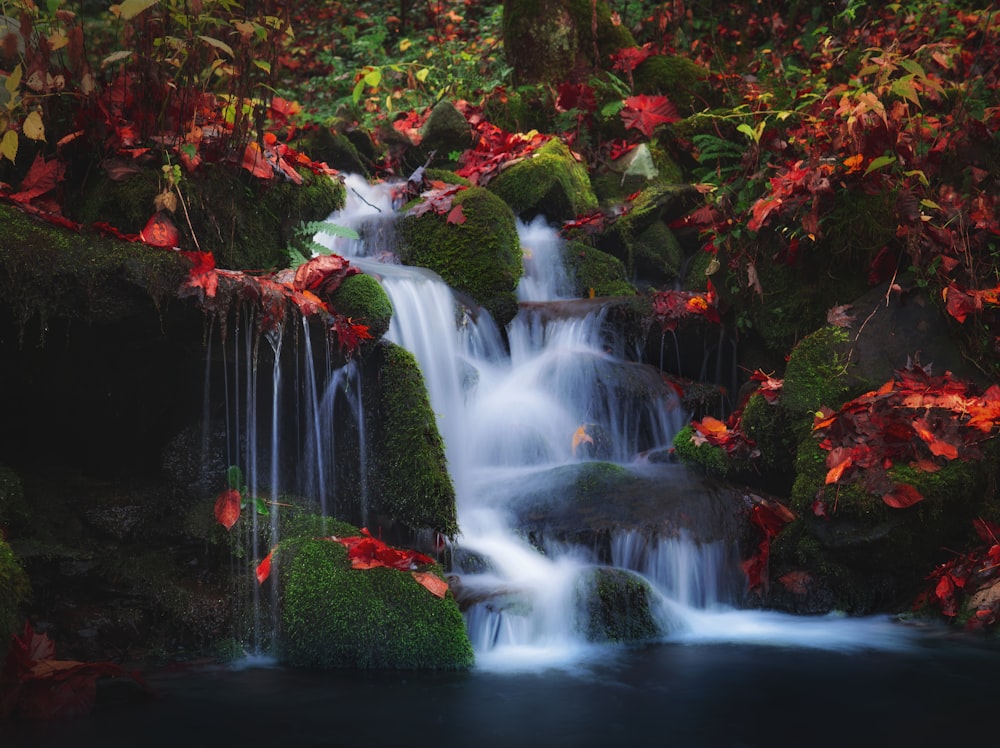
(365, 551)
(770, 517)
(671, 307)
(35, 685)
(646, 113)
(916, 418)
(227, 507)
(323, 275)
(969, 580)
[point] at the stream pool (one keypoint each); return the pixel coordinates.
(939, 690)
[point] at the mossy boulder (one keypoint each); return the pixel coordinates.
(445, 132)
(14, 589)
(707, 458)
(616, 606)
(550, 182)
(550, 41)
(641, 237)
(871, 556)
(480, 257)
(334, 616)
(594, 271)
(363, 299)
(48, 272)
(680, 79)
(409, 480)
(327, 145)
(246, 222)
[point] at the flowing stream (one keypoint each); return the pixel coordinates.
(526, 415)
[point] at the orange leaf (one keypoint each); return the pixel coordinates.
(580, 436)
(264, 568)
(160, 231)
(255, 162)
(432, 582)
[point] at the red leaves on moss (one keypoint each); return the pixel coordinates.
(365, 551)
(672, 307)
(915, 418)
(323, 275)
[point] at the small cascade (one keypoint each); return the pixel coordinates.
(283, 411)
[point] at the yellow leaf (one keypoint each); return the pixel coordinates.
(581, 436)
(13, 81)
(33, 127)
(404, 44)
(131, 8)
(8, 146)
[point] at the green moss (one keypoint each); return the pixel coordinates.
(326, 145)
(769, 428)
(816, 375)
(363, 299)
(595, 270)
(480, 257)
(445, 132)
(336, 616)
(14, 589)
(48, 272)
(409, 473)
(616, 606)
(596, 479)
(682, 80)
(551, 182)
(244, 221)
(707, 458)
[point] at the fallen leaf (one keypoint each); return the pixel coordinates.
(227, 507)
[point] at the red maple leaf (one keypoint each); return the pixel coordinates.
(42, 177)
(160, 231)
(227, 507)
(644, 113)
(323, 274)
(203, 277)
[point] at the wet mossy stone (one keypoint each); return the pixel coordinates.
(480, 257)
(816, 375)
(560, 40)
(409, 473)
(47, 272)
(616, 606)
(680, 79)
(550, 182)
(333, 616)
(14, 589)
(445, 132)
(328, 146)
(363, 299)
(707, 458)
(594, 270)
(246, 222)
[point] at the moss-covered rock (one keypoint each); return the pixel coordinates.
(445, 133)
(14, 589)
(870, 555)
(480, 257)
(335, 616)
(556, 40)
(48, 272)
(246, 222)
(616, 606)
(816, 375)
(409, 475)
(363, 299)
(551, 182)
(680, 79)
(707, 458)
(595, 272)
(327, 145)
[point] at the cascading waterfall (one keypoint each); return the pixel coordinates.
(507, 414)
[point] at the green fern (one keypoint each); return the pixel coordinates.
(304, 245)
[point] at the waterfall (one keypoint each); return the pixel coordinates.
(523, 418)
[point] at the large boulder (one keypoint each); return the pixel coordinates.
(549, 182)
(480, 256)
(333, 615)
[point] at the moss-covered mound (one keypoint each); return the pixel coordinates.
(245, 222)
(555, 40)
(682, 80)
(480, 257)
(595, 272)
(409, 474)
(336, 616)
(363, 299)
(616, 606)
(48, 272)
(14, 588)
(551, 182)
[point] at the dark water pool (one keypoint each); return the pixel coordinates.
(943, 691)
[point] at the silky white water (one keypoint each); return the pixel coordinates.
(509, 414)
